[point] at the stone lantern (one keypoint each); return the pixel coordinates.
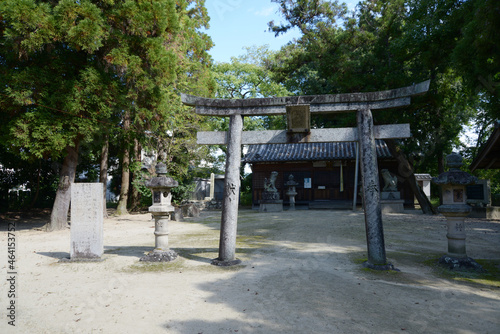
(161, 210)
(453, 186)
(291, 184)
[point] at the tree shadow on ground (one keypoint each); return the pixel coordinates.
(306, 279)
(194, 254)
(34, 219)
(129, 251)
(308, 296)
(197, 254)
(55, 255)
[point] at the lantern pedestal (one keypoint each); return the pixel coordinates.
(161, 210)
(161, 253)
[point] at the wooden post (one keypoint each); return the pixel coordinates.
(371, 192)
(229, 220)
(212, 186)
(356, 172)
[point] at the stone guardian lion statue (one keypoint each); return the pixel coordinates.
(269, 186)
(390, 182)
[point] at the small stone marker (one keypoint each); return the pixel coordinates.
(86, 221)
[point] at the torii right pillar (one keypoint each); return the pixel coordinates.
(371, 192)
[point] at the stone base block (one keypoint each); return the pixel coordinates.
(73, 259)
(390, 195)
(274, 206)
(460, 264)
(178, 216)
(221, 263)
(190, 210)
(395, 206)
(388, 266)
(270, 196)
(160, 256)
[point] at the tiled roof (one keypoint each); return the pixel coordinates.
(422, 177)
(308, 152)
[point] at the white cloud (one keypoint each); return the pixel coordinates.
(268, 11)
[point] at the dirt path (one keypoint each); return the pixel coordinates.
(301, 273)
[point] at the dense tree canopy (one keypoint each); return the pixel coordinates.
(248, 76)
(73, 70)
(81, 74)
(388, 44)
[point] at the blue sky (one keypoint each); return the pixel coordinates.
(235, 24)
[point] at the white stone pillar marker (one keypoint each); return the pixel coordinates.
(86, 222)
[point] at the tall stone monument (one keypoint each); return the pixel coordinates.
(86, 222)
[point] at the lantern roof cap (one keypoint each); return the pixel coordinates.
(454, 176)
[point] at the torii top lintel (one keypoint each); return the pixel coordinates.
(318, 103)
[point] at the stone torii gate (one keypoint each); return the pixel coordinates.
(298, 109)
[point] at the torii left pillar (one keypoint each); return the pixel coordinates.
(371, 193)
(229, 220)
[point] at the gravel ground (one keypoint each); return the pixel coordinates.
(301, 272)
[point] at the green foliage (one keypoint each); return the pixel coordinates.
(246, 191)
(384, 45)
(476, 55)
(73, 70)
(248, 76)
(40, 177)
(139, 183)
(183, 191)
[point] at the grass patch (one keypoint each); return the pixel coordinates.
(155, 267)
(359, 260)
(212, 268)
(490, 278)
(179, 266)
(250, 241)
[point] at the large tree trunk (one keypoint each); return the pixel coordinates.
(59, 215)
(121, 209)
(37, 192)
(440, 161)
(405, 170)
(134, 201)
(103, 177)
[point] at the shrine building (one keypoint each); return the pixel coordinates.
(325, 172)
